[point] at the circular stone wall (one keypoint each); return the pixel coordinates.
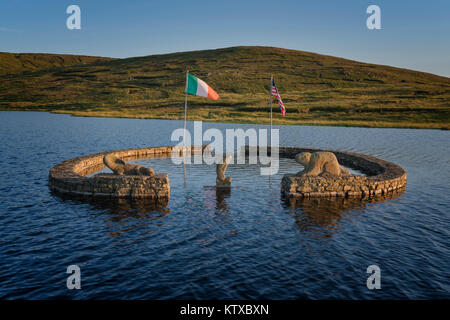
(382, 177)
(70, 176)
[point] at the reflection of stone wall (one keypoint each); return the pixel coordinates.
(123, 207)
(382, 177)
(322, 215)
(69, 177)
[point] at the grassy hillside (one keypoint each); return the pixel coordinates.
(316, 89)
(13, 63)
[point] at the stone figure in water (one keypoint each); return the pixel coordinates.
(221, 180)
(118, 166)
(319, 163)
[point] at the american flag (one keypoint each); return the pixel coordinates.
(275, 94)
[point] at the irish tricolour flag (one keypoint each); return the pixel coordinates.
(199, 87)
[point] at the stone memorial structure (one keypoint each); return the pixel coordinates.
(221, 180)
(128, 180)
(119, 167)
(323, 175)
(381, 177)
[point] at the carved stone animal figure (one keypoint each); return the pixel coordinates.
(118, 166)
(221, 180)
(318, 163)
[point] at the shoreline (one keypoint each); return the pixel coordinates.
(257, 121)
(318, 90)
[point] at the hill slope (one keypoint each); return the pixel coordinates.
(12, 63)
(316, 89)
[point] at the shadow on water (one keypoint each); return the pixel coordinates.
(324, 215)
(221, 197)
(138, 208)
(124, 216)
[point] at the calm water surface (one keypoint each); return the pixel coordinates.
(249, 243)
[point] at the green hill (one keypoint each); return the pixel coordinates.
(13, 63)
(316, 89)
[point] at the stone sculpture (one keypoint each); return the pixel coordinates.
(119, 167)
(319, 163)
(221, 180)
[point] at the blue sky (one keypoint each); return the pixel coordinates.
(415, 34)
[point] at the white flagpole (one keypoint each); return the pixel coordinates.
(184, 132)
(270, 176)
(185, 108)
(271, 82)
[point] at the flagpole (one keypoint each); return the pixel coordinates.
(271, 88)
(185, 108)
(271, 82)
(184, 132)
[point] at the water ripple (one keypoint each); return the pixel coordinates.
(246, 244)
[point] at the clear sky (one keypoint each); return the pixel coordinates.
(415, 34)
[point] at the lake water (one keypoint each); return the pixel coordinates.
(249, 243)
